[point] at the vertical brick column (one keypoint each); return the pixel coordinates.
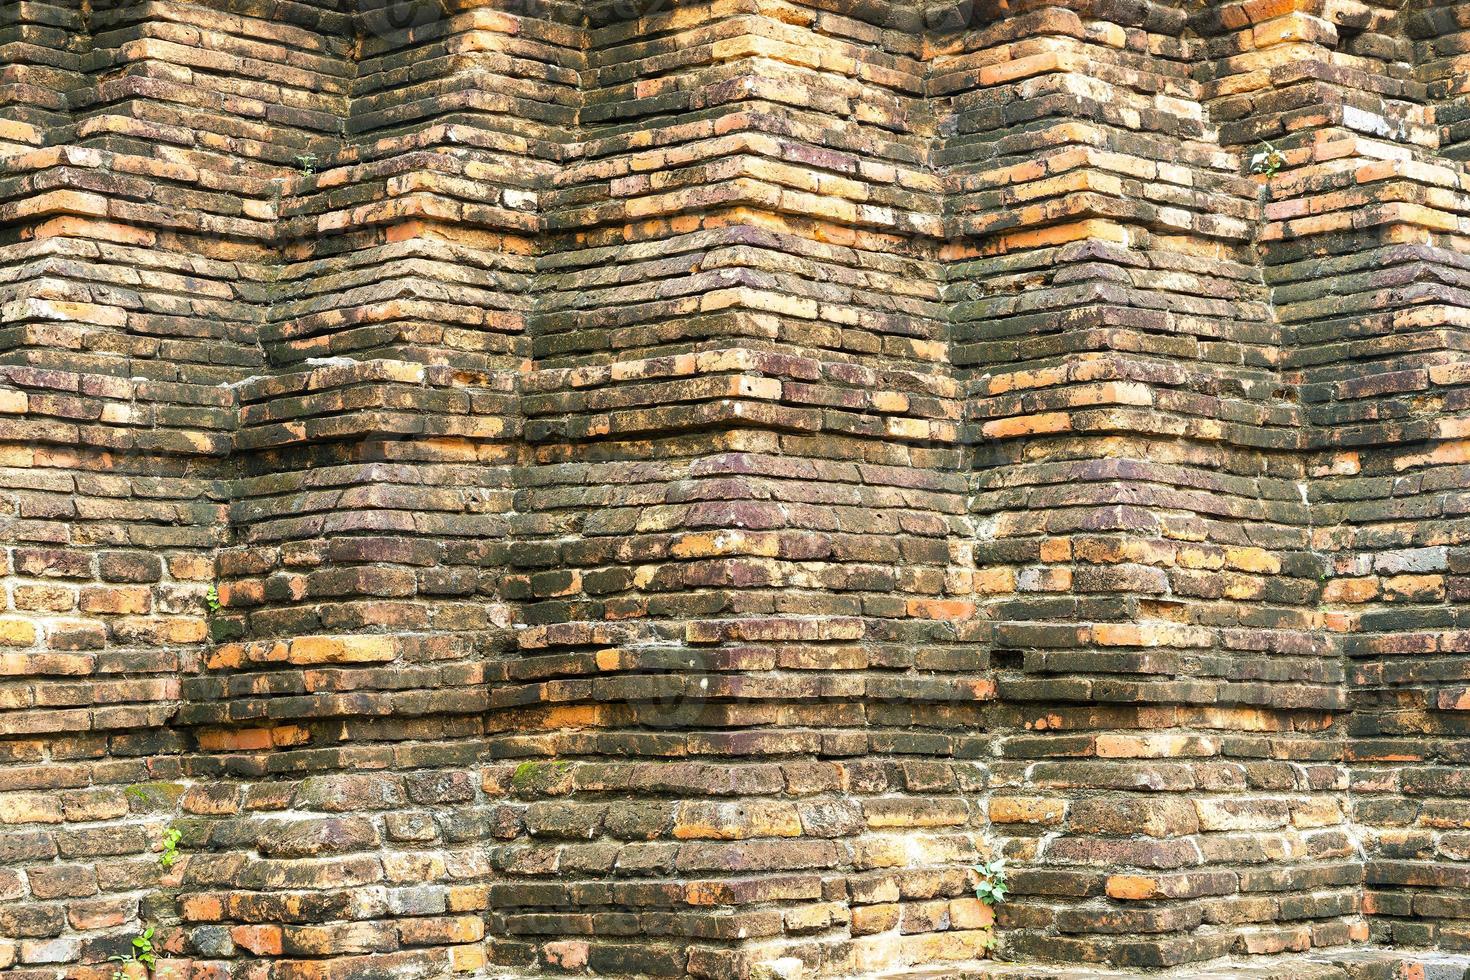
(1363, 246)
(130, 274)
(365, 612)
(1165, 755)
(744, 684)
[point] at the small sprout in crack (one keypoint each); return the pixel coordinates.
(142, 952)
(992, 886)
(1267, 161)
(170, 853)
(307, 163)
(211, 599)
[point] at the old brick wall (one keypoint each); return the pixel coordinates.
(536, 488)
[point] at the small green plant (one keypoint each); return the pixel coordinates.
(142, 952)
(170, 853)
(211, 599)
(992, 886)
(1267, 161)
(307, 163)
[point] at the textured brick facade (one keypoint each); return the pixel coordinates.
(540, 488)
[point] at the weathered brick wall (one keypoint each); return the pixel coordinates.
(536, 488)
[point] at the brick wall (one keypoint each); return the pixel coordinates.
(531, 488)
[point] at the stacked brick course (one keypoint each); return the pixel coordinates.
(533, 488)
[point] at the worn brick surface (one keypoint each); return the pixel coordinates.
(533, 488)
